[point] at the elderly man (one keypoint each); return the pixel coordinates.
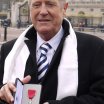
(69, 65)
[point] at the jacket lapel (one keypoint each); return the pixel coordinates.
(31, 65)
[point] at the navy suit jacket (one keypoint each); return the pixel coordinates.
(90, 69)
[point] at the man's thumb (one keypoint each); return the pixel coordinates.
(26, 79)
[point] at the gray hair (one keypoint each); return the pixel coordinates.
(61, 1)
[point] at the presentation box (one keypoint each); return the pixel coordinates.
(27, 93)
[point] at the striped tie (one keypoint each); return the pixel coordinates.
(43, 61)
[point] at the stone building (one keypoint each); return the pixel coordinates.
(4, 8)
(19, 12)
(80, 12)
(86, 12)
(13, 10)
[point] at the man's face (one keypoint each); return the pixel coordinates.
(46, 15)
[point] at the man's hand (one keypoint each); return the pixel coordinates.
(7, 90)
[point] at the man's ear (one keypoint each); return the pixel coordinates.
(65, 6)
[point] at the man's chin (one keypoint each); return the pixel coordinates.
(44, 30)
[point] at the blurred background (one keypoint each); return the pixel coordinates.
(85, 15)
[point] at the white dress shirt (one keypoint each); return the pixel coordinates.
(54, 42)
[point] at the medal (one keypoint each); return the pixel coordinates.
(31, 94)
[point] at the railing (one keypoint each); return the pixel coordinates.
(86, 2)
(88, 29)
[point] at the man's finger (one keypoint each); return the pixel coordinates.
(26, 79)
(8, 89)
(5, 92)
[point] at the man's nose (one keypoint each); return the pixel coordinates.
(43, 10)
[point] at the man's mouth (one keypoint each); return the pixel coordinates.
(43, 20)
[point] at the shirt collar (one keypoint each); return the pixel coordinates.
(54, 42)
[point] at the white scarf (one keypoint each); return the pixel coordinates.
(67, 71)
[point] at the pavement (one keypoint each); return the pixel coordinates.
(13, 33)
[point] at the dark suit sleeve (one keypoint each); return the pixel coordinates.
(95, 94)
(1, 71)
(1, 65)
(5, 49)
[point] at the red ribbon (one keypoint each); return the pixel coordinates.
(31, 93)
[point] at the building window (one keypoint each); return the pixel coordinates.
(72, 9)
(92, 9)
(102, 10)
(4, 6)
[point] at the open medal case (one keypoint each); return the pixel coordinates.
(27, 93)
